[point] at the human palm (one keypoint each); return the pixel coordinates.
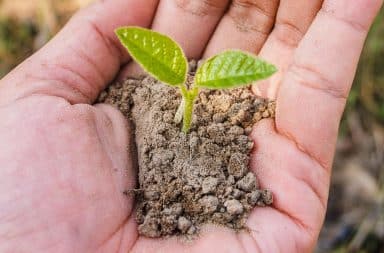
(65, 165)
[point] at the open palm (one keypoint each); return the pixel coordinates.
(64, 163)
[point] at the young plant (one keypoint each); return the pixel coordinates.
(164, 59)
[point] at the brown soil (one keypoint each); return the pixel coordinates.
(189, 180)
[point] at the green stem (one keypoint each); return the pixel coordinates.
(189, 99)
(180, 111)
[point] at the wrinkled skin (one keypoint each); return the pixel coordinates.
(65, 165)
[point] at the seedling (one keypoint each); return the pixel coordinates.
(164, 59)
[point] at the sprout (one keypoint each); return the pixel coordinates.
(164, 59)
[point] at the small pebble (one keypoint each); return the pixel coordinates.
(236, 130)
(183, 224)
(168, 117)
(150, 228)
(163, 158)
(209, 203)
(238, 165)
(253, 197)
(228, 191)
(266, 114)
(260, 203)
(237, 193)
(231, 179)
(267, 197)
(168, 224)
(191, 230)
(194, 143)
(243, 140)
(209, 185)
(247, 183)
(151, 195)
(224, 104)
(257, 117)
(239, 117)
(203, 98)
(262, 107)
(176, 209)
(218, 118)
(103, 95)
(250, 145)
(248, 130)
(234, 207)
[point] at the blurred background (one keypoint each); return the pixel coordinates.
(355, 216)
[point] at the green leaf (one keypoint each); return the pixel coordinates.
(232, 69)
(158, 54)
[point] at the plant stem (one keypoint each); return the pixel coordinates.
(188, 108)
(179, 113)
(187, 120)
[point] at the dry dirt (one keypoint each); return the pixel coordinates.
(189, 180)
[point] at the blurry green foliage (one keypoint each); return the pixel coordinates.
(368, 89)
(16, 42)
(367, 94)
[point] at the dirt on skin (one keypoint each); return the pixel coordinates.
(186, 181)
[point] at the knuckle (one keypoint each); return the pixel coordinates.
(83, 113)
(73, 118)
(313, 78)
(287, 33)
(253, 15)
(202, 7)
(267, 8)
(355, 25)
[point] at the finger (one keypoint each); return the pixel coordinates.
(312, 96)
(190, 22)
(245, 26)
(292, 21)
(82, 58)
(115, 137)
(300, 191)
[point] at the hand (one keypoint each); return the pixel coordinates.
(64, 163)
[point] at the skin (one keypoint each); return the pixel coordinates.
(64, 163)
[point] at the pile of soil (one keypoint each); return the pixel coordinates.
(189, 180)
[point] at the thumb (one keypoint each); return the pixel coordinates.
(115, 135)
(78, 62)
